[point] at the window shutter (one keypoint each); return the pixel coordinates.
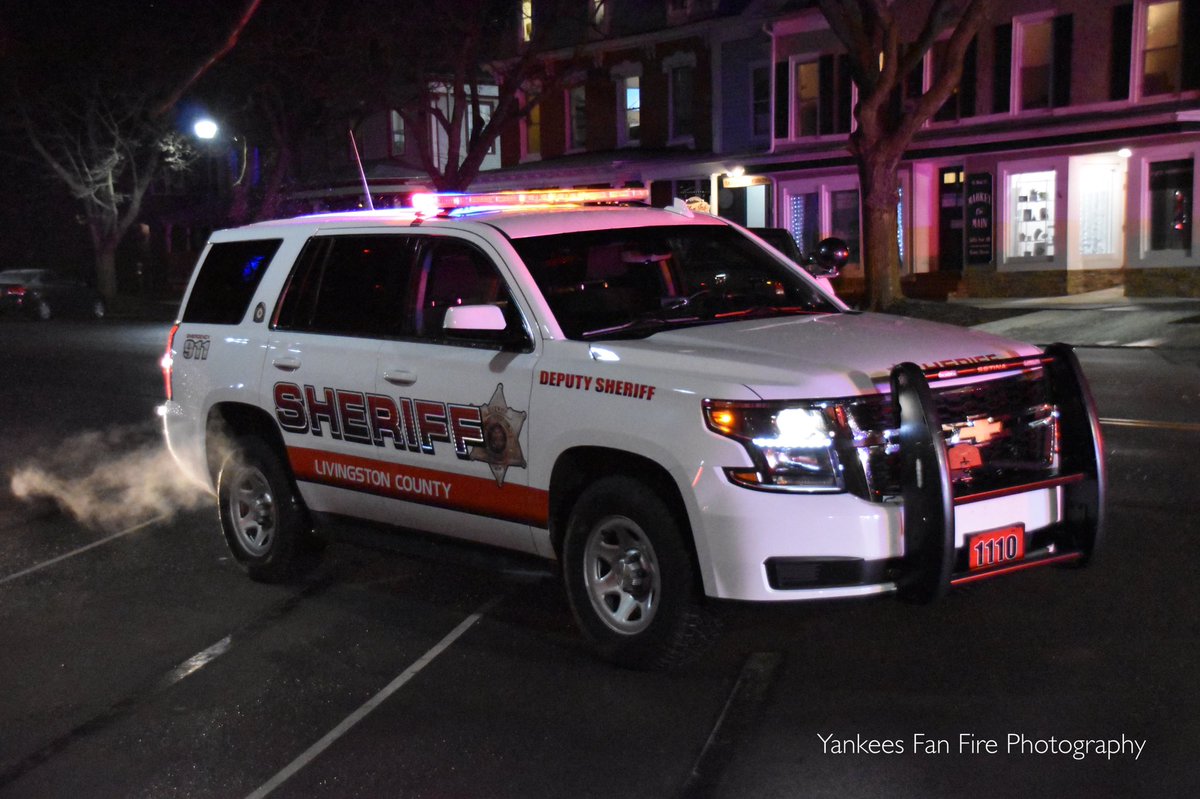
(1002, 68)
(826, 96)
(966, 86)
(1060, 63)
(844, 94)
(1189, 34)
(782, 96)
(1122, 52)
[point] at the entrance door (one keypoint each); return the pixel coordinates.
(950, 219)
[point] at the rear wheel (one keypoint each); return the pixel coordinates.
(264, 521)
(631, 579)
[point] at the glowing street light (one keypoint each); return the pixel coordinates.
(205, 129)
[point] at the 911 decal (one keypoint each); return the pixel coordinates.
(195, 347)
(489, 433)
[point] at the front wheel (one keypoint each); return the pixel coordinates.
(631, 578)
(264, 521)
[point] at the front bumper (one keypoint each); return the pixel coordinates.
(768, 547)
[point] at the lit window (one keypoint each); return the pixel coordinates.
(600, 15)
(808, 93)
(526, 20)
(1035, 61)
(629, 94)
(844, 219)
(1160, 55)
(1031, 228)
(1170, 197)
(533, 132)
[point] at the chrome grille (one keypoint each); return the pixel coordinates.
(1003, 430)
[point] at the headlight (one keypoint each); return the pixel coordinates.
(792, 444)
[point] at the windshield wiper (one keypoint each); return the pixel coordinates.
(644, 322)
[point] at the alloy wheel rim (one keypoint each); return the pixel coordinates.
(621, 574)
(252, 509)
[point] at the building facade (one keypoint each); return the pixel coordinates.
(1065, 161)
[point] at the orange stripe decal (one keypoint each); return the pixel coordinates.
(478, 495)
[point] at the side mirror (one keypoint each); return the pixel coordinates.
(483, 325)
(831, 255)
(472, 319)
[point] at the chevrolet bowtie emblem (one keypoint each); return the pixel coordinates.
(979, 431)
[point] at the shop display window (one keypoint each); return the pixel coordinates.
(1170, 195)
(1031, 220)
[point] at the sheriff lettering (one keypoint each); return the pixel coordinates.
(377, 419)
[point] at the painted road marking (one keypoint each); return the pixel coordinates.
(354, 718)
(1178, 427)
(44, 564)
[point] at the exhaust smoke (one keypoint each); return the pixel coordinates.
(110, 479)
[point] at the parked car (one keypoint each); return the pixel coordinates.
(43, 293)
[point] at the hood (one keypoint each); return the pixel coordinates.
(830, 355)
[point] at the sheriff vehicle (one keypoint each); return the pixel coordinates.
(667, 407)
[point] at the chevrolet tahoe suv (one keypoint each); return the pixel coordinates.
(657, 401)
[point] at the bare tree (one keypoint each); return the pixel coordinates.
(106, 134)
(457, 75)
(880, 62)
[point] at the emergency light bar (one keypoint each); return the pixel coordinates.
(429, 203)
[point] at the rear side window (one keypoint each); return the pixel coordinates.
(227, 281)
(350, 286)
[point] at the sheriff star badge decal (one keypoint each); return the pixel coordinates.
(501, 427)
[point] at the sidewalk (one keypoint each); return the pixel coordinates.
(1105, 318)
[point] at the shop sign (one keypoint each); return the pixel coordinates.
(979, 218)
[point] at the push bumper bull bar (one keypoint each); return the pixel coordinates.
(931, 564)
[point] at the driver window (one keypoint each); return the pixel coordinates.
(455, 273)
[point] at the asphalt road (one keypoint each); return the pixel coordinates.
(136, 660)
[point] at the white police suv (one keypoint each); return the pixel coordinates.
(667, 407)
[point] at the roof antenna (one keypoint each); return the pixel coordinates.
(361, 173)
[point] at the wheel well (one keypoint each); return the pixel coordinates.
(578, 468)
(231, 420)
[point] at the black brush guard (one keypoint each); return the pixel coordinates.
(927, 570)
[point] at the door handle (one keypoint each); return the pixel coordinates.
(286, 364)
(400, 377)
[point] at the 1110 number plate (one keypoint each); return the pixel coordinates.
(996, 547)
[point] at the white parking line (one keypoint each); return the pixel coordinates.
(354, 718)
(81, 550)
(1179, 427)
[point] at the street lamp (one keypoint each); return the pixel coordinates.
(205, 128)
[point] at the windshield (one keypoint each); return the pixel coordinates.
(634, 282)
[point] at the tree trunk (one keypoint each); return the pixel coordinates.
(879, 254)
(106, 268)
(881, 250)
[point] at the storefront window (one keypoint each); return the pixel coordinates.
(806, 221)
(844, 219)
(1171, 205)
(1099, 212)
(1031, 231)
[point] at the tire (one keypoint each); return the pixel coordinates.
(265, 523)
(631, 578)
